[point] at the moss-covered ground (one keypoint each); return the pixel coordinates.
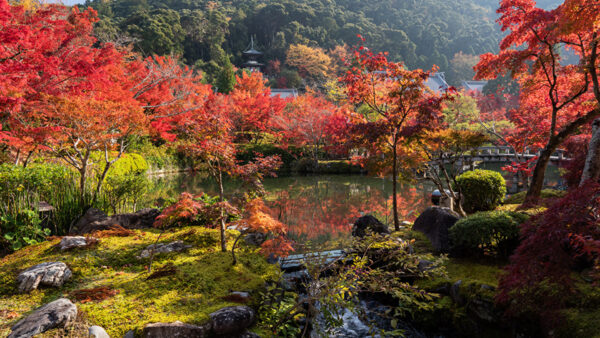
(199, 282)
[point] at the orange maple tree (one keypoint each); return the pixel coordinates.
(395, 104)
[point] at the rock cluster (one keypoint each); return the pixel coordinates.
(227, 322)
(58, 313)
(48, 274)
(96, 220)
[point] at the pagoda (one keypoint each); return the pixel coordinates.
(251, 55)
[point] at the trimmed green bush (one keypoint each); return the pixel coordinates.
(495, 232)
(482, 190)
(128, 164)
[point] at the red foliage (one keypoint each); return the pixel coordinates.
(258, 219)
(96, 294)
(252, 105)
(309, 121)
(396, 105)
(538, 278)
(189, 208)
(114, 231)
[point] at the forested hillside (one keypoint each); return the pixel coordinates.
(419, 32)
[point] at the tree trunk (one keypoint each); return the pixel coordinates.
(591, 171)
(394, 189)
(537, 180)
(222, 200)
(17, 157)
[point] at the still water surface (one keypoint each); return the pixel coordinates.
(319, 210)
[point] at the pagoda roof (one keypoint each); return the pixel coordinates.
(250, 50)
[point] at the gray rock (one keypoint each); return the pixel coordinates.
(162, 248)
(58, 313)
(368, 222)
(174, 330)
(455, 294)
(97, 332)
(232, 320)
(483, 309)
(129, 334)
(96, 220)
(249, 334)
(70, 242)
(434, 222)
(255, 238)
(48, 274)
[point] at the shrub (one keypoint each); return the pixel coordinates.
(21, 229)
(21, 190)
(495, 232)
(128, 164)
(539, 280)
(482, 190)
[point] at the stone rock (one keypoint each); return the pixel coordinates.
(483, 309)
(70, 242)
(359, 229)
(129, 334)
(232, 320)
(255, 238)
(434, 222)
(58, 313)
(96, 220)
(161, 248)
(238, 297)
(249, 334)
(455, 294)
(48, 274)
(174, 330)
(97, 332)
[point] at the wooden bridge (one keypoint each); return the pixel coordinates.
(505, 154)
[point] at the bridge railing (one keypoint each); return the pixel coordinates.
(560, 154)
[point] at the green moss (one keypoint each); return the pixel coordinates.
(419, 240)
(203, 276)
(467, 270)
(519, 198)
(580, 323)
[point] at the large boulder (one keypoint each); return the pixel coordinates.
(162, 248)
(434, 222)
(231, 321)
(368, 222)
(174, 330)
(48, 274)
(58, 313)
(96, 220)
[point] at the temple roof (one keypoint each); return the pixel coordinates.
(250, 50)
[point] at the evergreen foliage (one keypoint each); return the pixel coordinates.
(482, 190)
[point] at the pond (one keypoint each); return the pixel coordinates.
(319, 210)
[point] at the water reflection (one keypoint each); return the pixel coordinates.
(318, 210)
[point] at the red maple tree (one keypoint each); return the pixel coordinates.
(394, 104)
